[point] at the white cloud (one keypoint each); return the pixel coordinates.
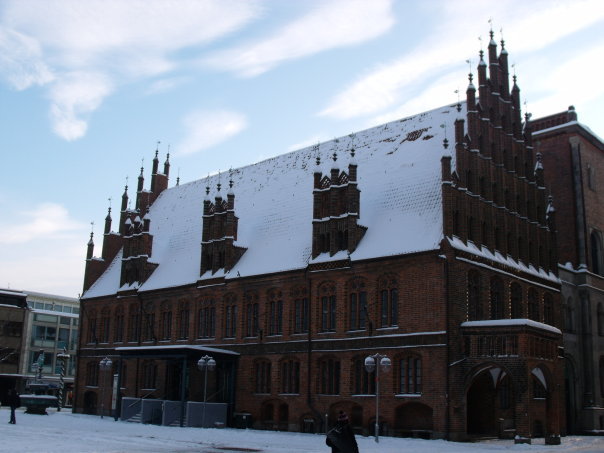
(205, 129)
(45, 221)
(75, 96)
(333, 24)
(542, 23)
(21, 60)
(88, 48)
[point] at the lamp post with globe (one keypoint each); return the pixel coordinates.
(374, 363)
(204, 364)
(104, 365)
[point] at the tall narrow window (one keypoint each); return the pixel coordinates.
(364, 382)
(92, 374)
(301, 315)
(327, 305)
(206, 320)
(548, 309)
(533, 305)
(92, 333)
(118, 333)
(330, 377)
(230, 318)
(597, 260)
(516, 300)
(252, 314)
(496, 298)
(275, 319)
(474, 303)
(410, 375)
(166, 322)
(569, 315)
(263, 376)
(388, 301)
(105, 325)
(134, 324)
(183, 322)
(290, 376)
(357, 304)
(148, 321)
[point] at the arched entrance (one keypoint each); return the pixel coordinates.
(90, 402)
(490, 403)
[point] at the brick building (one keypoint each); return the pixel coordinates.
(573, 158)
(429, 239)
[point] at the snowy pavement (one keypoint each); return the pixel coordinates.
(65, 432)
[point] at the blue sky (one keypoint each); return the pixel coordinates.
(88, 88)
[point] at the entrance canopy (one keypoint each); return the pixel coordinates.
(173, 351)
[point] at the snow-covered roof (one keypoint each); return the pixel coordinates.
(511, 322)
(399, 176)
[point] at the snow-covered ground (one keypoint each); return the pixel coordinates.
(66, 433)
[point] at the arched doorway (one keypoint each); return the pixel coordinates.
(570, 395)
(490, 404)
(90, 402)
(414, 420)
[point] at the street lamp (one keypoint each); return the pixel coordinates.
(63, 357)
(104, 365)
(204, 364)
(370, 365)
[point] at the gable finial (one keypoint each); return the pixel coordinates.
(231, 178)
(178, 176)
(219, 185)
(109, 199)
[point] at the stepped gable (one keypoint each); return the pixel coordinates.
(398, 175)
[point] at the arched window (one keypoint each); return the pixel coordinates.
(474, 303)
(134, 323)
(602, 376)
(105, 325)
(275, 312)
(364, 382)
(118, 333)
(516, 300)
(290, 376)
(357, 297)
(496, 298)
(387, 286)
(327, 294)
(548, 309)
(597, 264)
(92, 374)
(410, 375)
(301, 310)
(230, 327)
(92, 333)
(166, 321)
(600, 319)
(329, 376)
(262, 373)
(533, 305)
(206, 319)
(183, 320)
(470, 228)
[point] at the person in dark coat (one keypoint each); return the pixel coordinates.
(341, 438)
(14, 401)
